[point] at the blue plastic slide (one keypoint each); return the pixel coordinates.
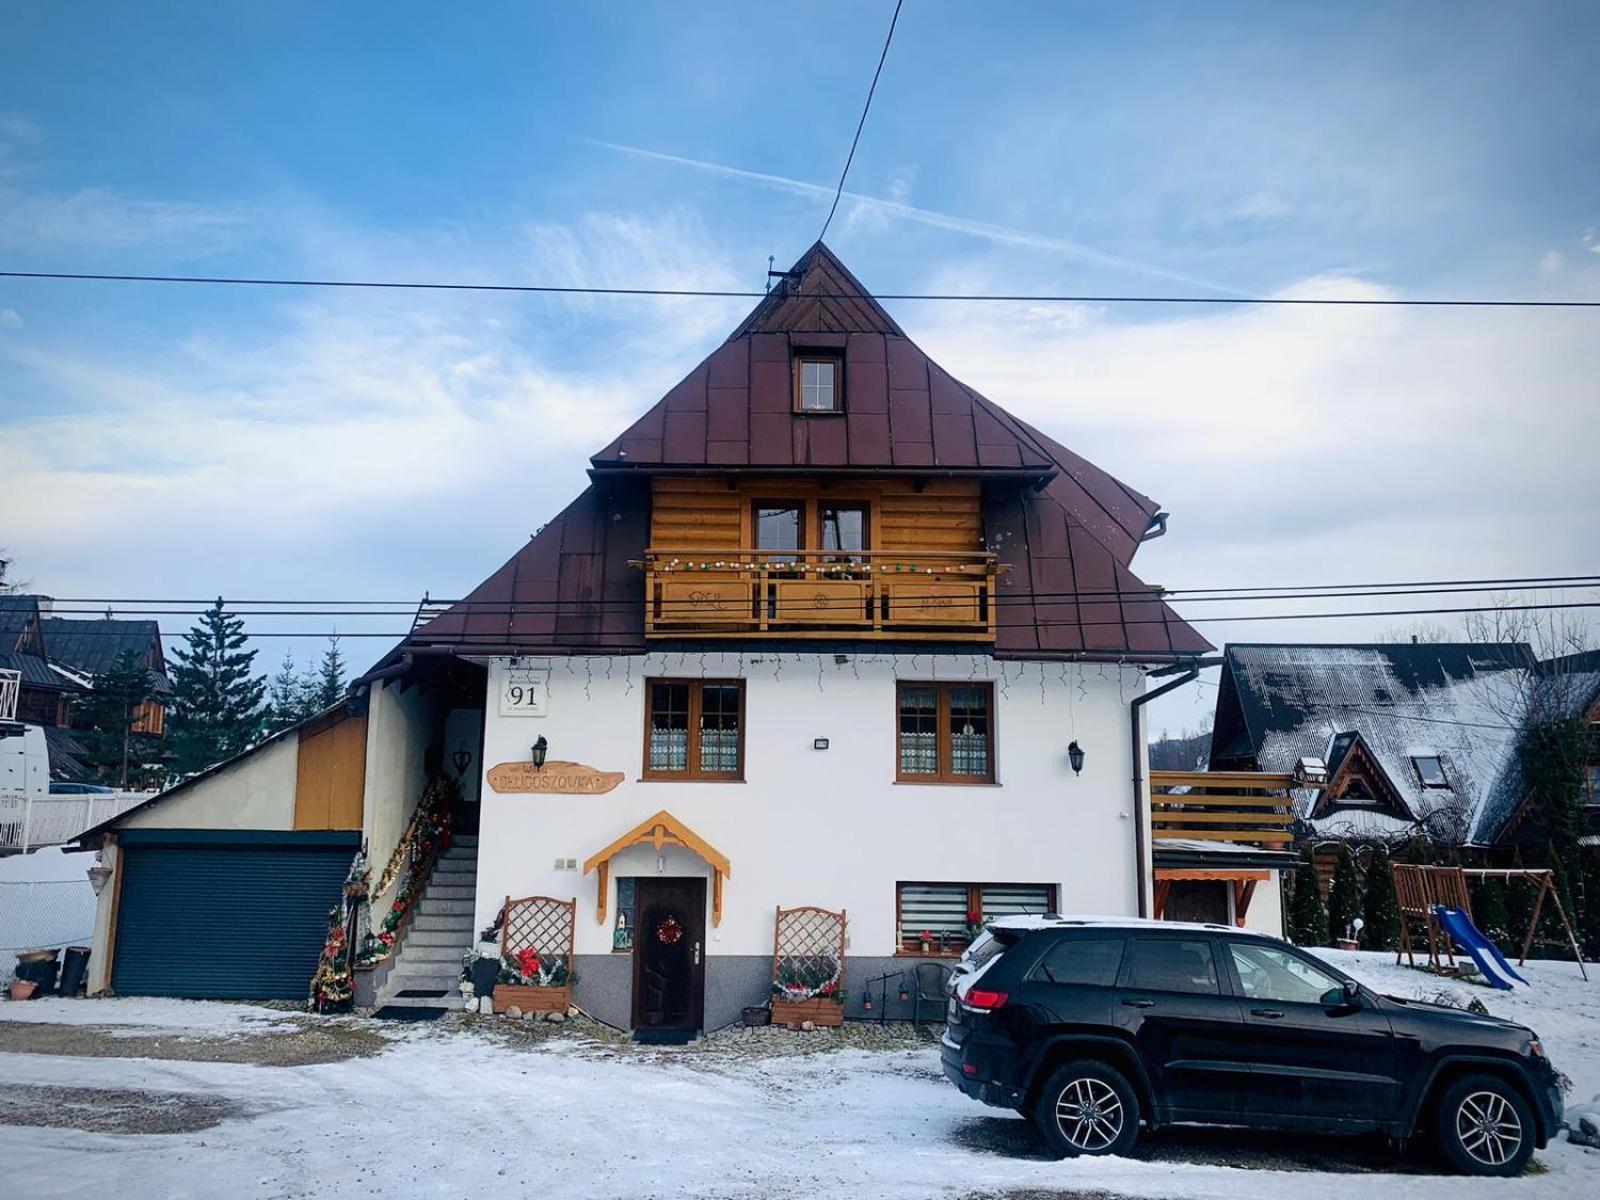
(1485, 953)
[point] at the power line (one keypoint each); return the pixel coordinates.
(1248, 594)
(591, 607)
(726, 293)
(244, 608)
(861, 124)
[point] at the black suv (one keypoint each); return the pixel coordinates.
(1094, 1027)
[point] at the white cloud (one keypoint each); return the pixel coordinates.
(1552, 264)
(10, 318)
(1264, 205)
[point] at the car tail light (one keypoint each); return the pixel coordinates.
(985, 1001)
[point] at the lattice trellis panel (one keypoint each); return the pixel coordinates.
(542, 924)
(808, 953)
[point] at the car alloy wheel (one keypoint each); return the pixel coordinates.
(1089, 1114)
(1488, 1128)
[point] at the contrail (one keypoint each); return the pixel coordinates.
(923, 216)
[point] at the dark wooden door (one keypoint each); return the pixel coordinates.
(669, 953)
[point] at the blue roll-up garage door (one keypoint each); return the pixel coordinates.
(225, 915)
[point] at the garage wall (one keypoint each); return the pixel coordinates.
(256, 792)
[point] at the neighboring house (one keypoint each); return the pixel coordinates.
(46, 691)
(88, 648)
(826, 628)
(1418, 739)
(58, 660)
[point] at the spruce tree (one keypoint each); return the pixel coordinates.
(1489, 912)
(1519, 906)
(1589, 920)
(1308, 919)
(1380, 908)
(104, 720)
(1344, 897)
(329, 685)
(1551, 937)
(287, 697)
(216, 701)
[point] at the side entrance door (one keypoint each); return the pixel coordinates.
(669, 972)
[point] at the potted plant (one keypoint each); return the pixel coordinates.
(809, 988)
(23, 989)
(927, 941)
(534, 984)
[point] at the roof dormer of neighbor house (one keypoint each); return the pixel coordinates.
(819, 476)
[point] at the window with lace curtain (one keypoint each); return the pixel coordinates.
(945, 732)
(694, 729)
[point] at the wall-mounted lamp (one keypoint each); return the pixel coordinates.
(541, 748)
(1075, 757)
(98, 874)
(461, 759)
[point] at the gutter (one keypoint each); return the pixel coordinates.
(1191, 672)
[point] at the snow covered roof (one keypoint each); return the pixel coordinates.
(1453, 701)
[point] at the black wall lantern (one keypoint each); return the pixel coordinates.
(1074, 756)
(541, 748)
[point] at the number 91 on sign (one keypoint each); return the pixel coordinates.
(525, 693)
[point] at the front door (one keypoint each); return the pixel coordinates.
(669, 953)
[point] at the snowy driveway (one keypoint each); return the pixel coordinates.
(439, 1113)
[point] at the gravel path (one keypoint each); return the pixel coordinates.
(320, 1042)
(112, 1110)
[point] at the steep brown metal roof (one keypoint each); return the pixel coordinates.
(1067, 528)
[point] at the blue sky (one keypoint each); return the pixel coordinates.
(189, 441)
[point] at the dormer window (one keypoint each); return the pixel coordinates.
(1430, 770)
(818, 383)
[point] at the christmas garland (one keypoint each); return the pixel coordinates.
(527, 969)
(425, 839)
(813, 978)
(333, 987)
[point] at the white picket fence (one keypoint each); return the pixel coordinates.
(26, 823)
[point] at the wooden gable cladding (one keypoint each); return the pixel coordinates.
(939, 516)
(330, 777)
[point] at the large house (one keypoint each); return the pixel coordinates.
(827, 629)
(1419, 740)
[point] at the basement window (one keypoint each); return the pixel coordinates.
(1430, 770)
(818, 383)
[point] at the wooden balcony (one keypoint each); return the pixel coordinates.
(881, 594)
(1245, 807)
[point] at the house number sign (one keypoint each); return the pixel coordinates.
(525, 692)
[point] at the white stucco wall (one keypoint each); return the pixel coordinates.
(257, 792)
(1266, 906)
(829, 828)
(399, 723)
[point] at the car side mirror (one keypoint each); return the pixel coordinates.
(1352, 993)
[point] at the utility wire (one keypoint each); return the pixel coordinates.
(714, 293)
(1310, 591)
(861, 124)
(465, 638)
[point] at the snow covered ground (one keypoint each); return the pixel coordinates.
(442, 1113)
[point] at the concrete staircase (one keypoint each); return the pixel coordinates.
(439, 933)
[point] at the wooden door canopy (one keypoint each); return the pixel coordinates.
(663, 829)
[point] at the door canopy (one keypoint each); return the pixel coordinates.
(663, 829)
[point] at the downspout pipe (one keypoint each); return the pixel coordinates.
(1191, 672)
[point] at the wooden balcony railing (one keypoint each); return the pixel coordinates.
(817, 593)
(1247, 807)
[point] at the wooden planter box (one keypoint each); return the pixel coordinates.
(532, 999)
(819, 1011)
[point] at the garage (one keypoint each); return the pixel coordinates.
(224, 914)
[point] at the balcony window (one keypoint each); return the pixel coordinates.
(945, 733)
(817, 384)
(844, 528)
(779, 527)
(694, 729)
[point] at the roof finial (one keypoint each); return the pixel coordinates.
(771, 258)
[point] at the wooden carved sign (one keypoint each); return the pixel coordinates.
(557, 778)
